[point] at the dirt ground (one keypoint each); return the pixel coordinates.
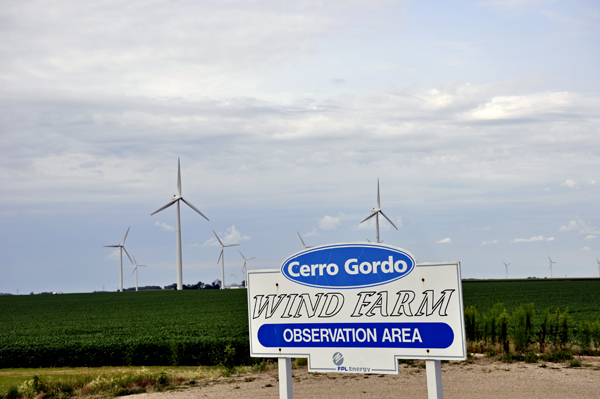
(484, 378)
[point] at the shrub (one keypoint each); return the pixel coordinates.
(503, 331)
(260, 367)
(584, 334)
(301, 362)
(522, 325)
(471, 323)
(491, 323)
(531, 357)
(596, 334)
(13, 393)
(557, 357)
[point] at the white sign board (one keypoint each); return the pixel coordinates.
(357, 308)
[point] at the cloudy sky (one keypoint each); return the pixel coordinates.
(480, 118)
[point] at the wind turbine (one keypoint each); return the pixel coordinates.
(375, 212)
(233, 276)
(304, 246)
(121, 247)
(245, 260)
(176, 199)
(550, 265)
(222, 259)
(135, 270)
(506, 266)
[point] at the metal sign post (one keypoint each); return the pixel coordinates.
(357, 308)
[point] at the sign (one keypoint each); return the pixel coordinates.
(357, 308)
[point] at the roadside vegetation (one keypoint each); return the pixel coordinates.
(64, 383)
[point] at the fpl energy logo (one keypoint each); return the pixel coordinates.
(347, 266)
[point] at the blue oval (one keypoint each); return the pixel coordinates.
(348, 265)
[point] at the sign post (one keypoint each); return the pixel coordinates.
(357, 308)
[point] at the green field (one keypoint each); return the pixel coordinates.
(130, 328)
(581, 296)
(194, 327)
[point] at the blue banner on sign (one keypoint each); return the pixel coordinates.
(356, 335)
(348, 265)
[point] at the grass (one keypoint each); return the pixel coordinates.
(63, 383)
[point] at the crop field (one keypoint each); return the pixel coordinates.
(201, 327)
(581, 296)
(130, 328)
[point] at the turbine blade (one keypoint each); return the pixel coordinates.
(368, 240)
(124, 238)
(127, 254)
(242, 255)
(111, 246)
(194, 208)
(231, 245)
(142, 266)
(164, 207)
(221, 254)
(134, 261)
(178, 177)
(218, 239)
(378, 201)
(369, 217)
(134, 269)
(254, 257)
(303, 244)
(388, 219)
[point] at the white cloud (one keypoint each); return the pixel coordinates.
(329, 223)
(532, 239)
(585, 249)
(582, 227)
(232, 236)
(590, 237)
(314, 232)
(446, 240)
(398, 222)
(165, 226)
(114, 255)
(570, 183)
(489, 242)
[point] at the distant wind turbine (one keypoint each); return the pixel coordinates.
(375, 212)
(550, 265)
(222, 259)
(233, 276)
(121, 247)
(176, 199)
(245, 260)
(304, 246)
(506, 265)
(135, 270)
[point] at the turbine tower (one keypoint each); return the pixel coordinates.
(506, 266)
(598, 266)
(304, 246)
(222, 259)
(245, 260)
(135, 270)
(550, 265)
(121, 247)
(176, 199)
(375, 212)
